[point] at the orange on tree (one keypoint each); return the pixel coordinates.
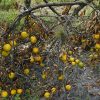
(5, 54)
(81, 64)
(13, 92)
(35, 50)
(42, 64)
(32, 59)
(71, 59)
(63, 57)
(7, 47)
(61, 77)
(53, 89)
(44, 76)
(73, 63)
(97, 46)
(96, 36)
(77, 61)
(68, 87)
(4, 93)
(13, 43)
(47, 95)
(24, 35)
(11, 75)
(38, 58)
(19, 91)
(26, 71)
(33, 39)
(83, 40)
(70, 52)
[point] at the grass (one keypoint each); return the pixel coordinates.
(8, 16)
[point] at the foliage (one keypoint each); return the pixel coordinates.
(54, 57)
(8, 16)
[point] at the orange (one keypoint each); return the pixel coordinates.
(68, 87)
(11, 75)
(33, 39)
(71, 59)
(19, 91)
(96, 36)
(7, 47)
(5, 54)
(38, 58)
(47, 94)
(4, 94)
(24, 35)
(61, 77)
(13, 92)
(13, 43)
(97, 46)
(73, 63)
(53, 90)
(35, 50)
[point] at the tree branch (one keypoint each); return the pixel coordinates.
(13, 25)
(52, 8)
(76, 11)
(56, 4)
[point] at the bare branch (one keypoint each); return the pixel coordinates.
(13, 25)
(76, 11)
(56, 4)
(52, 8)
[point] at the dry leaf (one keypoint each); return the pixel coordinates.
(66, 10)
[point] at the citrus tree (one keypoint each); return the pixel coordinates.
(48, 55)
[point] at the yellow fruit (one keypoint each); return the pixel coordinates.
(70, 52)
(64, 57)
(96, 36)
(83, 40)
(97, 46)
(4, 94)
(44, 76)
(47, 94)
(13, 92)
(11, 75)
(19, 91)
(42, 65)
(7, 47)
(77, 61)
(71, 59)
(24, 35)
(38, 58)
(13, 43)
(26, 71)
(53, 90)
(32, 59)
(61, 77)
(33, 39)
(68, 87)
(81, 64)
(35, 50)
(5, 54)
(73, 63)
